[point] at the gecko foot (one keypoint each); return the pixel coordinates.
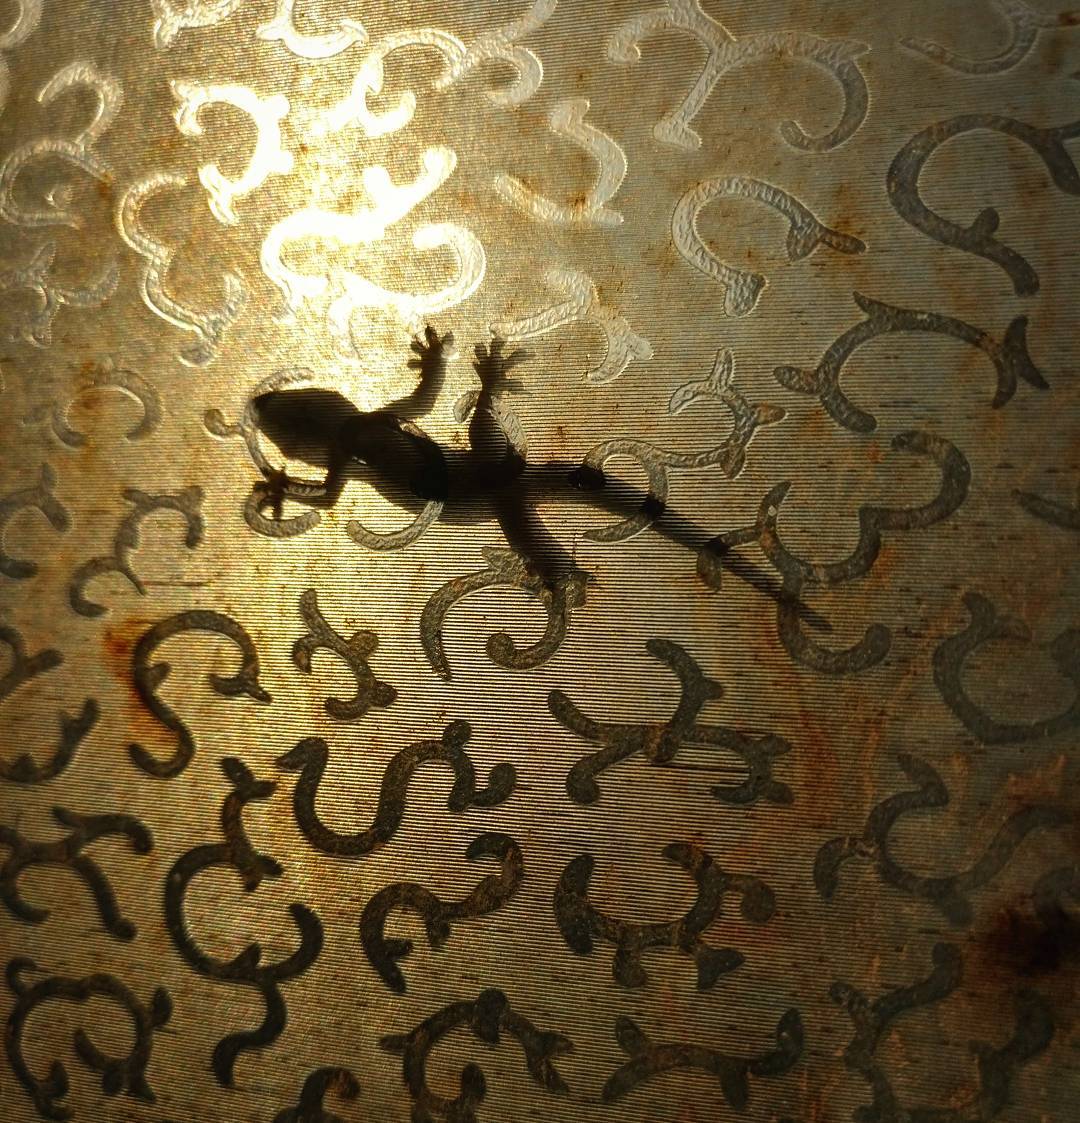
(274, 489)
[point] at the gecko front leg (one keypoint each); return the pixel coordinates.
(279, 486)
(272, 490)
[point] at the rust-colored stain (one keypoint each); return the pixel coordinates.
(118, 643)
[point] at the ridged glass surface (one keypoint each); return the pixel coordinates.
(538, 561)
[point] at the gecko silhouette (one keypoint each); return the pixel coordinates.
(492, 479)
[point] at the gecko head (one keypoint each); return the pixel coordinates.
(302, 423)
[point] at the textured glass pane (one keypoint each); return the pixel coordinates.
(538, 560)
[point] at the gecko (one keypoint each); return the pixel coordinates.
(492, 479)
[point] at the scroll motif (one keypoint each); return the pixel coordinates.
(26, 21)
(648, 1059)
(505, 570)
(872, 1021)
(78, 151)
(119, 1075)
(978, 238)
(488, 1017)
(1064, 515)
(282, 29)
(349, 291)
(837, 57)
(383, 952)
(428, 515)
(186, 503)
(873, 520)
(68, 852)
(353, 652)
(24, 769)
(149, 676)
(949, 893)
(729, 455)
(103, 376)
(40, 497)
(353, 109)
(246, 969)
(567, 119)
(412, 308)
(269, 157)
(742, 287)
(798, 575)
(318, 1084)
(498, 44)
(1025, 23)
(247, 429)
(579, 920)
(582, 302)
(174, 16)
(660, 742)
(209, 327)
(710, 388)
(36, 327)
(438, 859)
(310, 756)
(986, 626)
(1010, 358)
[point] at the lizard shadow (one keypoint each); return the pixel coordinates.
(490, 480)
